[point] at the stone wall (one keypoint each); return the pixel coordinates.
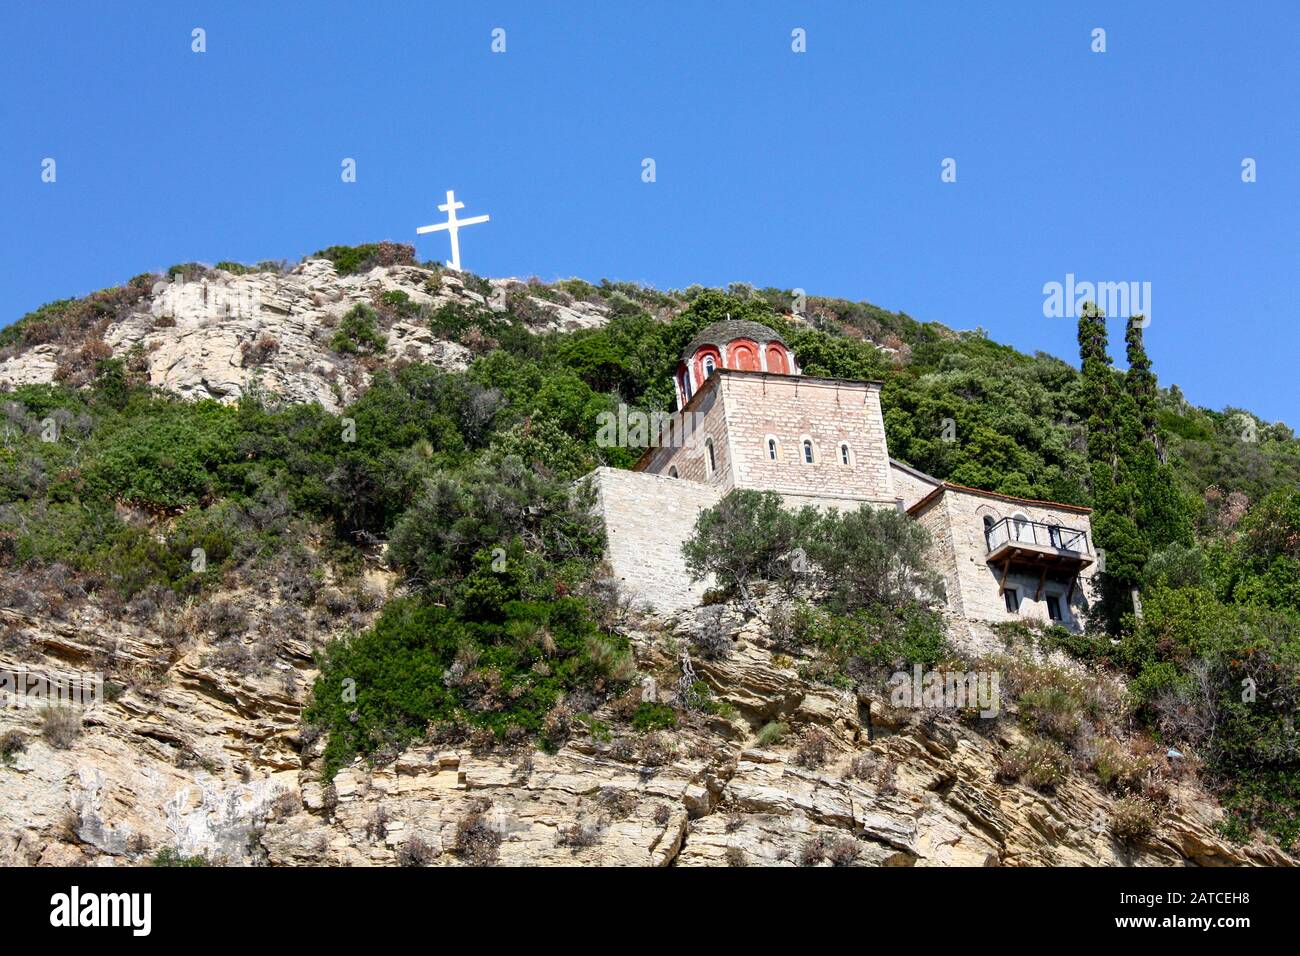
(840, 503)
(792, 409)
(973, 584)
(909, 483)
(647, 519)
(942, 554)
(740, 411)
(685, 446)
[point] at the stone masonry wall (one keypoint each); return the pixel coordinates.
(647, 519)
(827, 412)
(704, 420)
(977, 583)
(908, 486)
(942, 553)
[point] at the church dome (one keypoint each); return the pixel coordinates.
(731, 344)
(728, 330)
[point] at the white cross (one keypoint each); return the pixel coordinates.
(452, 225)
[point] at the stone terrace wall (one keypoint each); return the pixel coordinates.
(647, 518)
(942, 553)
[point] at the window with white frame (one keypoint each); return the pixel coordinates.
(773, 448)
(846, 456)
(808, 455)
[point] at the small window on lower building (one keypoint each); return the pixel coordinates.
(713, 465)
(771, 448)
(844, 454)
(1054, 607)
(672, 472)
(808, 451)
(1012, 597)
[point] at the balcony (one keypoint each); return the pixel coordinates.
(1044, 547)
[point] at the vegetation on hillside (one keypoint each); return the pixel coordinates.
(876, 598)
(500, 627)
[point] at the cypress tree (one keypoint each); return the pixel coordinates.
(1141, 383)
(1113, 432)
(1161, 509)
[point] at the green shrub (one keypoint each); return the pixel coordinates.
(748, 536)
(357, 333)
(865, 646)
(398, 303)
(12, 743)
(1119, 769)
(349, 260)
(60, 727)
(771, 733)
(874, 557)
(650, 716)
(1039, 763)
(170, 455)
(169, 856)
(1133, 820)
(420, 664)
(1053, 710)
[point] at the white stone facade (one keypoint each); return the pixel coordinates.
(822, 442)
(647, 519)
(955, 517)
(764, 428)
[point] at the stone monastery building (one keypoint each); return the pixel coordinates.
(748, 418)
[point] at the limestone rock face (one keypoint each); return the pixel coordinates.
(36, 366)
(200, 337)
(222, 335)
(200, 759)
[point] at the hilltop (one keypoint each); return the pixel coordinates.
(235, 489)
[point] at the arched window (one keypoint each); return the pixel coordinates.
(672, 472)
(773, 448)
(808, 451)
(713, 464)
(776, 360)
(1022, 529)
(845, 457)
(709, 365)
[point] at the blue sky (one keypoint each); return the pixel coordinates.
(819, 170)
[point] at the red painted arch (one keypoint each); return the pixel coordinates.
(743, 354)
(777, 360)
(700, 355)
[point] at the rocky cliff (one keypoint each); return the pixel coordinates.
(199, 749)
(217, 334)
(199, 753)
